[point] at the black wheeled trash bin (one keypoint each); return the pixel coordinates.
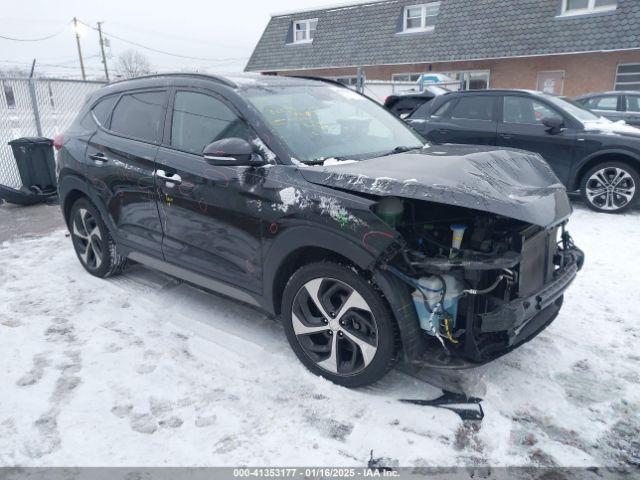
(36, 165)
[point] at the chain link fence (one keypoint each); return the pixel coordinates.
(36, 107)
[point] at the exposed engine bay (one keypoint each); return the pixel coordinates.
(479, 281)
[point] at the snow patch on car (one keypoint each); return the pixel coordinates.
(331, 207)
(265, 151)
(291, 197)
(335, 161)
(382, 184)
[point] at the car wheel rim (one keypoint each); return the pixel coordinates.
(88, 239)
(610, 188)
(334, 326)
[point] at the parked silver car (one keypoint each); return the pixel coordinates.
(614, 105)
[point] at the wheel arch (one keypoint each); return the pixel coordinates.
(308, 245)
(70, 189)
(299, 246)
(623, 156)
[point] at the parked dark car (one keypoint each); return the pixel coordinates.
(588, 153)
(403, 104)
(447, 256)
(615, 106)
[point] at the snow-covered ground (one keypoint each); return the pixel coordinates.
(145, 370)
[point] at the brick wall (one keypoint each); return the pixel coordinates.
(584, 73)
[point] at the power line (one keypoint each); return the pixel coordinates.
(33, 39)
(162, 51)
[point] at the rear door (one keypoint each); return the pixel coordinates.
(120, 166)
(209, 215)
(632, 114)
(470, 119)
(521, 127)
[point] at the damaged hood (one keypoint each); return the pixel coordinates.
(511, 183)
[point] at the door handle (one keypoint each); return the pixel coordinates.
(99, 158)
(506, 136)
(171, 180)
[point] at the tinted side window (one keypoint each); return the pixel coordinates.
(633, 103)
(139, 115)
(200, 119)
(443, 110)
(102, 110)
(525, 110)
(474, 108)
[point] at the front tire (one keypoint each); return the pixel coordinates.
(339, 325)
(610, 187)
(93, 242)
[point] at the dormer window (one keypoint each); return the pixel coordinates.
(304, 30)
(581, 7)
(420, 18)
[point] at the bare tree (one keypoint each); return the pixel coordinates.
(132, 63)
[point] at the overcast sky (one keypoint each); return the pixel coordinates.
(224, 32)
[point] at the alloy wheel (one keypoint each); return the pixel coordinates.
(610, 188)
(88, 239)
(334, 326)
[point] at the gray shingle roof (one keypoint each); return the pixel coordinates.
(366, 34)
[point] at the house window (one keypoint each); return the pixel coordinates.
(628, 77)
(405, 77)
(420, 18)
(470, 80)
(579, 7)
(304, 30)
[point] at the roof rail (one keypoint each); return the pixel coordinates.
(319, 79)
(217, 78)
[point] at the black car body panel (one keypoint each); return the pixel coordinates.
(511, 183)
(243, 230)
(570, 152)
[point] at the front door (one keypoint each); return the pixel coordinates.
(120, 166)
(522, 127)
(210, 214)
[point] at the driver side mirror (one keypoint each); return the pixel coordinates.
(554, 124)
(232, 152)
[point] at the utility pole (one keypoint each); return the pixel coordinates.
(104, 58)
(75, 27)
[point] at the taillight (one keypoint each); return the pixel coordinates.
(58, 141)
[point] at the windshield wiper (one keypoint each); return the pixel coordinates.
(400, 149)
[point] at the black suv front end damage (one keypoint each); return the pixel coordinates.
(480, 256)
(499, 288)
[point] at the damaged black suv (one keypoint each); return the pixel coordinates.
(315, 204)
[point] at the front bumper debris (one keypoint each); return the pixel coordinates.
(514, 316)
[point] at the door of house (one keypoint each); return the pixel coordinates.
(551, 82)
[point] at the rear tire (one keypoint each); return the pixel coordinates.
(93, 242)
(339, 325)
(610, 187)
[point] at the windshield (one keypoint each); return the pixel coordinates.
(326, 121)
(574, 110)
